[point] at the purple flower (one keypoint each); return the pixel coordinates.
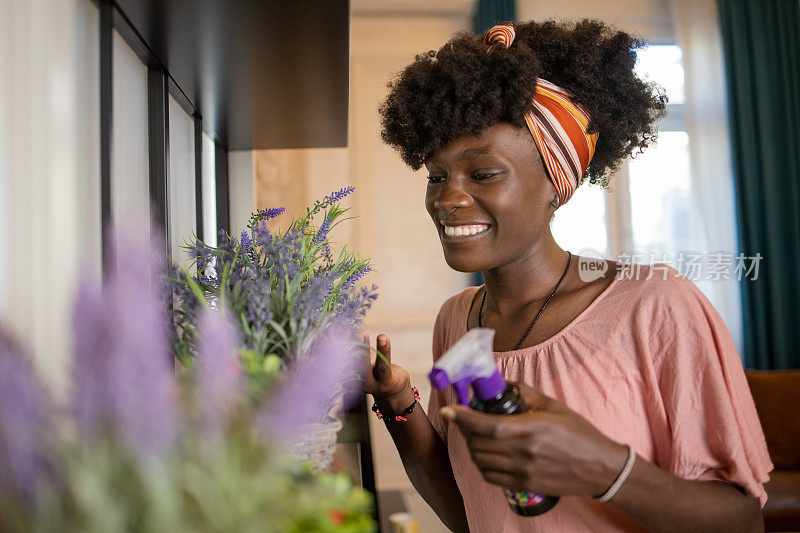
(246, 242)
(314, 383)
(146, 396)
(209, 280)
(217, 373)
(24, 462)
(226, 247)
(257, 311)
(327, 253)
(91, 370)
(267, 214)
(353, 278)
(354, 308)
(284, 256)
(200, 252)
(122, 368)
(309, 305)
(262, 235)
(337, 196)
(176, 291)
(322, 232)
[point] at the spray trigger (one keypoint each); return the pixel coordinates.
(462, 390)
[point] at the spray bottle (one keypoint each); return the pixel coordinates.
(469, 362)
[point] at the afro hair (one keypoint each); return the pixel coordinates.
(462, 89)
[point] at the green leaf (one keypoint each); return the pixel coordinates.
(279, 330)
(196, 290)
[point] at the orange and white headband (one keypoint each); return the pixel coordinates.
(558, 126)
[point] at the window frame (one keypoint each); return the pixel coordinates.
(161, 85)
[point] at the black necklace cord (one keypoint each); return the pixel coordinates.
(541, 309)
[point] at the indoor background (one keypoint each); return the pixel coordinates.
(722, 183)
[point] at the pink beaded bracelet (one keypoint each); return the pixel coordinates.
(612, 490)
(402, 417)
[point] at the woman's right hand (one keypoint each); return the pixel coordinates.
(389, 384)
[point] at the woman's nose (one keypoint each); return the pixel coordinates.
(452, 195)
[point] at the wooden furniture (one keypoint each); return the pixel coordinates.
(777, 398)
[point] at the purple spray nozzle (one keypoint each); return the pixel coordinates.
(439, 379)
(469, 362)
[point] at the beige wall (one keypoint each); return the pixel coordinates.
(241, 184)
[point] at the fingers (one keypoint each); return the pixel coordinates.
(518, 445)
(538, 401)
(491, 461)
(501, 469)
(504, 479)
(481, 424)
(383, 362)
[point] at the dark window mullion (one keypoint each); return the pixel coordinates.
(221, 182)
(198, 176)
(106, 129)
(158, 132)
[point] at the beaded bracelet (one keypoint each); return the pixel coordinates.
(612, 490)
(402, 417)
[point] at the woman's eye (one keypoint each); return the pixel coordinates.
(484, 175)
(435, 178)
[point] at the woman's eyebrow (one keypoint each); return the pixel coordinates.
(466, 154)
(474, 152)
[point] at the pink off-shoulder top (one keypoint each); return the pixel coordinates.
(651, 364)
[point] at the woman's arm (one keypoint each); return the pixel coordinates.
(426, 462)
(553, 450)
(664, 502)
(422, 451)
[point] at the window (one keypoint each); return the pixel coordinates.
(647, 211)
(580, 224)
(209, 192)
(659, 178)
(181, 190)
(130, 175)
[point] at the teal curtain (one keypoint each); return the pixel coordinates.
(762, 60)
(490, 12)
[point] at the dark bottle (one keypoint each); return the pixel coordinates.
(511, 402)
(470, 362)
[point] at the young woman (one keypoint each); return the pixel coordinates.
(640, 418)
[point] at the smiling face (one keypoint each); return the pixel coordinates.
(489, 197)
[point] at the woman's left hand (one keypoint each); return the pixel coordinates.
(548, 450)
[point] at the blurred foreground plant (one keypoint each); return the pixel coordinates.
(138, 449)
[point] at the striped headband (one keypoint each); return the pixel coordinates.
(557, 123)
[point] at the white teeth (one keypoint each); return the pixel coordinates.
(459, 231)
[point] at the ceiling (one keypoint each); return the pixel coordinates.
(262, 73)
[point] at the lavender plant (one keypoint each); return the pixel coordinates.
(139, 449)
(284, 290)
(24, 429)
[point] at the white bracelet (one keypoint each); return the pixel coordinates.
(612, 490)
